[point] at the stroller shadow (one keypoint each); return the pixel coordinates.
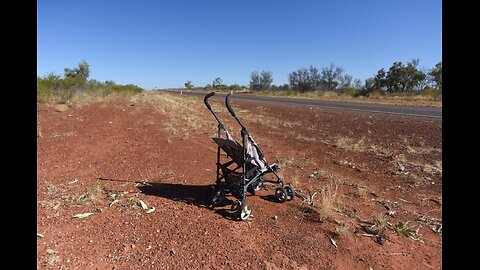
(270, 198)
(189, 194)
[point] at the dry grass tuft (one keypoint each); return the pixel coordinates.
(350, 144)
(91, 194)
(328, 201)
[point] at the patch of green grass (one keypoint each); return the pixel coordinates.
(380, 221)
(90, 195)
(402, 230)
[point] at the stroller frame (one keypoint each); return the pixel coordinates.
(248, 174)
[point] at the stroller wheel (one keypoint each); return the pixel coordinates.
(289, 192)
(245, 212)
(254, 187)
(218, 196)
(258, 186)
(236, 205)
(280, 195)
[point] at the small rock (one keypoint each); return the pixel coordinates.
(50, 251)
(172, 251)
(133, 246)
(275, 217)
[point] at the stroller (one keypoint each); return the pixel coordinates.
(245, 170)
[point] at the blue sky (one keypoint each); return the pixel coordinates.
(165, 43)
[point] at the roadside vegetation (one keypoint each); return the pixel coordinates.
(402, 83)
(74, 87)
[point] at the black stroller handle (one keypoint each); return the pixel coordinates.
(206, 100)
(227, 102)
(232, 112)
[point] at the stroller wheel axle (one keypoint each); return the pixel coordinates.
(289, 192)
(280, 195)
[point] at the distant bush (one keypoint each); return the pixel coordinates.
(75, 86)
(53, 88)
(432, 92)
(376, 93)
(350, 91)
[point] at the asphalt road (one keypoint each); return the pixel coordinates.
(430, 112)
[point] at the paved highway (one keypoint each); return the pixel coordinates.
(418, 111)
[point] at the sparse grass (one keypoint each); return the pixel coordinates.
(361, 191)
(350, 144)
(328, 202)
(288, 161)
(421, 150)
(90, 195)
(416, 100)
(380, 221)
(295, 182)
(377, 229)
(184, 113)
(305, 138)
(343, 162)
(403, 230)
(434, 223)
(430, 168)
(271, 122)
(376, 150)
(342, 229)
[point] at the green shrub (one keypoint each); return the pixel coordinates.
(432, 92)
(53, 88)
(350, 91)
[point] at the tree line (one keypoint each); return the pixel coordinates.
(75, 80)
(399, 78)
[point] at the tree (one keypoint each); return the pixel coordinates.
(234, 87)
(189, 85)
(260, 81)
(345, 81)
(304, 79)
(380, 80)
(436, 75)
(82, 71)
(266, 80)
(331, 76)
(401, 78)
(217, 83)
(357, 84)
(255, 81)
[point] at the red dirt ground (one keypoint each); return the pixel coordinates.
(105, 156)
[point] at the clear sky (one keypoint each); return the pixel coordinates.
(165, 43)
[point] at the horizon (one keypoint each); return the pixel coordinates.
(162, 45)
